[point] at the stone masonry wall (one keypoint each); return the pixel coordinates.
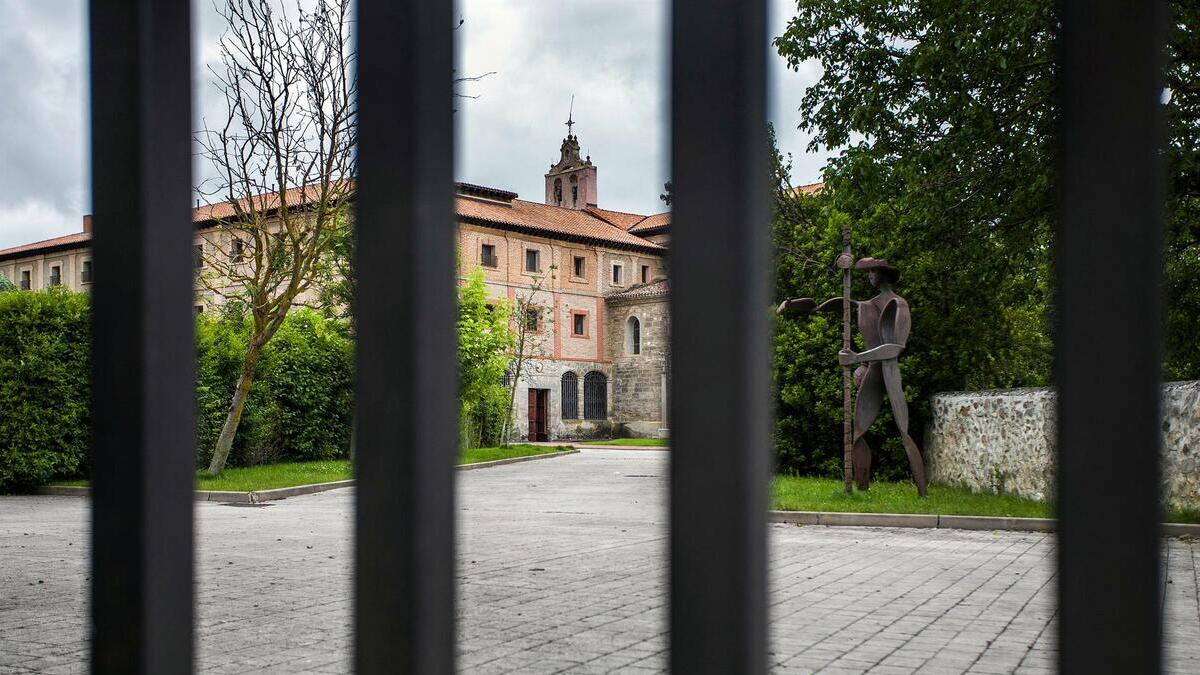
(640, 381)
(1004, 441)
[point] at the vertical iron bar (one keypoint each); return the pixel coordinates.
(720, 467)
(1109, 335)
(143, 454)
(405, 398)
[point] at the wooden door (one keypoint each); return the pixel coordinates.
(538, 411)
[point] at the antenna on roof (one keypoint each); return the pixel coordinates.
(571, 116)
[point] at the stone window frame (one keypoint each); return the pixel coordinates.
(587, 333)
(86, 265)
(578, 258)
(541, 323)
(53, 279)
(647, 275)
(539, 250)
(618, 274)
(495, 254)
(237, 249)
(20, 271)
(633, 335)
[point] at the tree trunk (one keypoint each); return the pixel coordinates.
(234, 417)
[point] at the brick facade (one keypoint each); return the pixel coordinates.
(594, 273)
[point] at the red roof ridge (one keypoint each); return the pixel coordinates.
(554, 221)
(33, 247)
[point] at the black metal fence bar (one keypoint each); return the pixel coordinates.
(405, 397)
(720, 413)
(143, 454)
(1109, 336)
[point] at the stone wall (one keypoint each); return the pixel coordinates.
(547, 374)
(1004, 441)
(640, 381)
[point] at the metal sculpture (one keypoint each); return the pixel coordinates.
(884, 322)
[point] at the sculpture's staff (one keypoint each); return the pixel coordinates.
(846, 261)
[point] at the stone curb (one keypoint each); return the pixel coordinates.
(262, 496)
(922, 520)
(640, 448)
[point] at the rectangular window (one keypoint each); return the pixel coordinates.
(533, 260)
(26, 280)
(237, 250)
(199, 309)
(85, 274)
(645, 274)
(487, 255)
(579, 325)
(580, 266)
(198, 258)
(56, 276)
(617, 274)
(531, 320)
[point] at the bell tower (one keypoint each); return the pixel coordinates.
(571, 183)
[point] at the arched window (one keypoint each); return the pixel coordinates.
(595, 396)
(633, 336)
(574, 191)
(558, 192)
(570, 396)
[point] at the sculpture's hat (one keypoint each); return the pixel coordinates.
(878, 264)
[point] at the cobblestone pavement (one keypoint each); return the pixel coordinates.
(562, 570)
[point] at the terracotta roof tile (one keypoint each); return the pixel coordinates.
(810, 189)
(654, 289)
(592, 225)
(57, 243)
(267, 201)
(619, 218)
(550, 221)
(658, 221)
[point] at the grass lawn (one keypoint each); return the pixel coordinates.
(287, 474)
(635, 442)
(803, 493)
(476, 455)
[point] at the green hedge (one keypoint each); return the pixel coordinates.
(45, 386)
(301, 403)
(300, 406)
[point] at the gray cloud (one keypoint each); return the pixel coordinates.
(610, 55)
(42, 119)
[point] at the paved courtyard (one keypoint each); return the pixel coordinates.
(561, 569)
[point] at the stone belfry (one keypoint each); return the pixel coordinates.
(571, 182)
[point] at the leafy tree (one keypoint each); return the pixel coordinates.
(530, 314)
(945, 116)
(284, 159)
(485, 339)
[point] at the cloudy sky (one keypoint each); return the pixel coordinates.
(611, 56)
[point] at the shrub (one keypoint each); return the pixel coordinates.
(306, 380)
(301, 402)
(45, 386)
